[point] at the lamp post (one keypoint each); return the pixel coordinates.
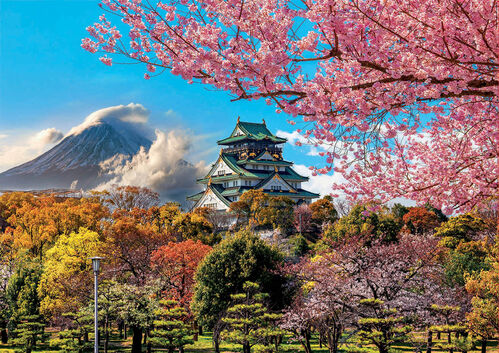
(96, 268)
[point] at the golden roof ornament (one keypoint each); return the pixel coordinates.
(209, 180)
(263, 120)
(275, 169)
(238, 119)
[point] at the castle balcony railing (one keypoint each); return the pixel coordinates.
(256, 149)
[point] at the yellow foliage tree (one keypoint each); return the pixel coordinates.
(67, 272)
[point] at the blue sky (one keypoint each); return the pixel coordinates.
(48, 81)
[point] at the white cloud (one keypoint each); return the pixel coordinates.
(295, 136)
(320, 183)
(162, 168)
(117, 116)
(47, 136)
(19, 149)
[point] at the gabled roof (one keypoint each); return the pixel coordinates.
(251, 131)
(231, 162)
(211, 187)
(272, 176)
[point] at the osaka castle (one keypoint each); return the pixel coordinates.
(250, 158)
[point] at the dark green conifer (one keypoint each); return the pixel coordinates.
(380, 327)
(171, 330)
(249, 323)
(29, 331)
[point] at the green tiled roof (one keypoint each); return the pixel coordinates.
(288, 174)
(252, 131)
(216, 190)
(195, 197)
(299, 193)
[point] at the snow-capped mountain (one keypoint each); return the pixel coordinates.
(78, 160)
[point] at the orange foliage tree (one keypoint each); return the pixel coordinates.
(419, 220)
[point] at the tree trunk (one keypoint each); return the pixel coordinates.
(246, 347)
(306, 345)
(449, 341)
(200, 330)
(121, 325)
(137, 339)
(4, 335)
(195, 331)
(216, 342)
(429, 341)
(106, 335)
(484, 346)
(438, 335)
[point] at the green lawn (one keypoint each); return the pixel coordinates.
(204, 345)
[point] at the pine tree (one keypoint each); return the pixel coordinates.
(379, 326)
(75, 338)
(171, 329)
(448, 324)
(249, 323)
(29, 330)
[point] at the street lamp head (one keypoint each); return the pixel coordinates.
(96, 263)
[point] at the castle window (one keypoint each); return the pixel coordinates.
(276, 187)
(221, 172)
(266, 167)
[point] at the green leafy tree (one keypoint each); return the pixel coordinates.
(249, 323)
(380, 327)
(237, 259)
(171, 330)
(365, 222)
(136, 306)
(462, 228)
(465, 253)
(278, 213)
(22, 293)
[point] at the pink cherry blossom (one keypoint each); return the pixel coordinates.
(412, 83)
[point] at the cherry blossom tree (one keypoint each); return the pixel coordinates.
(402, 94)
(404, 275)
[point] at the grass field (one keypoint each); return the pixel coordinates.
(204, 345)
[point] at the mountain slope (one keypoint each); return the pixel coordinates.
(77, 157)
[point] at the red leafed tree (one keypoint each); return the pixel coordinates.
(177, 264)
(420, 220)
(403, 94)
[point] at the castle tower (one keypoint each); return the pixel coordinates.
(250, 158)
